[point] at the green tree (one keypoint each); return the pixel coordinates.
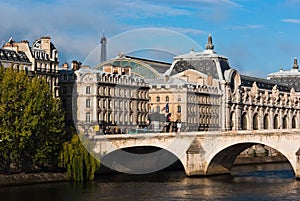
(31, 122)
(13, 133)
(79, 163)
(46, 117)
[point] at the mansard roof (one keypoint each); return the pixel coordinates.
(207, 62)
(290, 77)
(13, 56)
(248, 81)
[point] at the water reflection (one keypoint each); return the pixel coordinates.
(245, 183)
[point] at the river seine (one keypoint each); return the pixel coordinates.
(256, 182)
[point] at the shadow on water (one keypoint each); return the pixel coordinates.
(272, 170)
(255, 182)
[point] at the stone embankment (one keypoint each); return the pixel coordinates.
(32, 178)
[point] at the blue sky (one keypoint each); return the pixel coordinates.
(258, 36)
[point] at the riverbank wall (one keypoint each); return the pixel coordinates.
(31, 178)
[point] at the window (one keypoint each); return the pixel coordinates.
(109, 104)
(266, 122)
(88, 103)
(88, 90)
(276, 122)
(157, 99)
(294, 122)
(88, 117)
(244, 122)
(255, 122)
(179, 109)
(232, 120)
(167, 98)
(285, 122)
(65, 77)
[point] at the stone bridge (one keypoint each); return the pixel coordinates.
(200, 153)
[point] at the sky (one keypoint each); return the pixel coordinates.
(257, 36)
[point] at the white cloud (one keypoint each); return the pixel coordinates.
(244, 27)
(187, 30)
(75, 26)
(295, 21)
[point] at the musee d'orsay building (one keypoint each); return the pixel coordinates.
(203, 92)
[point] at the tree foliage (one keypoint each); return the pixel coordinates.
(31, 122)
(79, 163)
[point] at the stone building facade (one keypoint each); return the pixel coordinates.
(187, 98)
(212, 95)
(106, 103)
(43, 57)
(66, 81)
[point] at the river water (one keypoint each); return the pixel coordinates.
(255, 182)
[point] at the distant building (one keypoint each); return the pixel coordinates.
(103, 53)
(109, 102)
(66, 81)
(17, 60)
(290, 77)
(43, 57)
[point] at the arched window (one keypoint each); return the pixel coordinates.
(167, 98)
(294, 122)
(276, 122)
(266, 121)
(232, 120)
(157, 99)
(255, 122)
(285, 122)
(244, 122)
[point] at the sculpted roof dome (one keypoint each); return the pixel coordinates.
(207, 62)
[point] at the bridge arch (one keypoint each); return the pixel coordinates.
(223, 160)
(141, 160)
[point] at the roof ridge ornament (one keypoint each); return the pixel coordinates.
(295, 66)
(209, 45)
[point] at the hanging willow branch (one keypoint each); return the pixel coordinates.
(79, 163)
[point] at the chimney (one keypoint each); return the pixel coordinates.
(166, 78)
(75, 65)
(45, 44)
(65, 66)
